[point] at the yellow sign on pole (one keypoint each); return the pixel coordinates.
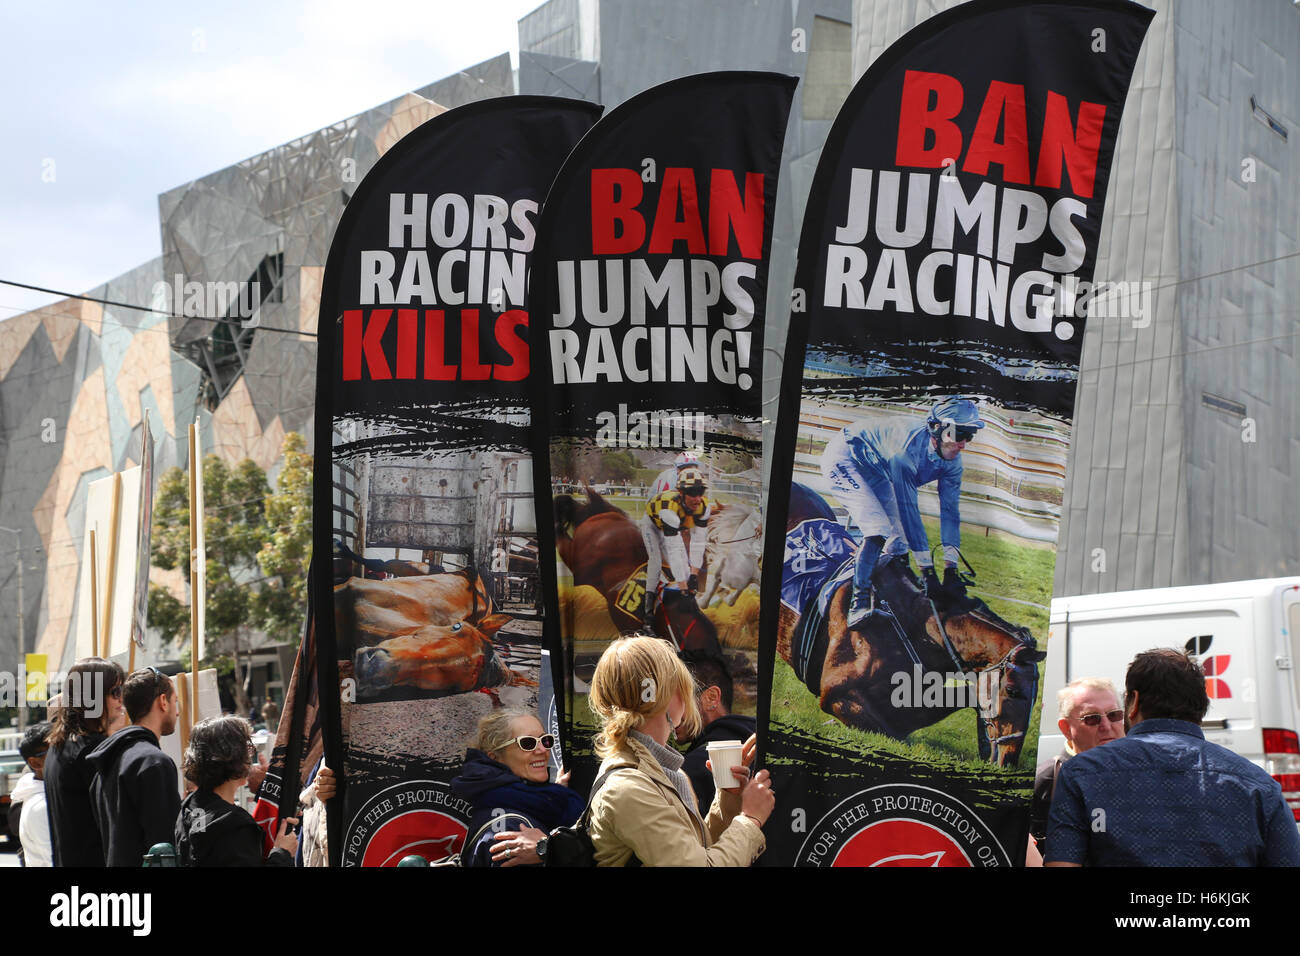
(37, 678)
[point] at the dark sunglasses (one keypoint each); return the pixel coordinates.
(1094, 720)
(964, 434)
(528, 743)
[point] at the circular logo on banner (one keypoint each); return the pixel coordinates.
(421, 817)
(901, 825)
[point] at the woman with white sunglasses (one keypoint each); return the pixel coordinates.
(507, 783)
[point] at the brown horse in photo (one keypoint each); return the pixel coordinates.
(866, 678)
(603, 549)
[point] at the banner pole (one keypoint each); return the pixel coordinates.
(183, 698)
(94, 597)
(143, 537)
(195, 597)
(110, 566)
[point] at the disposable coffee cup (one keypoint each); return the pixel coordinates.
(725, 754)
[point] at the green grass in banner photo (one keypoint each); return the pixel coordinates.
(1007, 566)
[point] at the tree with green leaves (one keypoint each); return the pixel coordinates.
(285, 555)
(620, 465)
(258, 545)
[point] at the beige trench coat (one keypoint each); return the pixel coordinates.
(638, 811)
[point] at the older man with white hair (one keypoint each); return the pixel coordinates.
(1090, 715)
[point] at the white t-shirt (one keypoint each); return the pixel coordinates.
(34, 822)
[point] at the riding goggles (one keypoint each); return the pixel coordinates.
(528, 743)
(1094, 720)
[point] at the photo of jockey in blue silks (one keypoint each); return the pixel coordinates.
(875, 472)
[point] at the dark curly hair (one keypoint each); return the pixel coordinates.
(89, 683)
(218, 752)
(34, 741)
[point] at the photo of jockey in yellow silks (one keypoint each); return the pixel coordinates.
(667, 479)
(675, 530)
(875, 472)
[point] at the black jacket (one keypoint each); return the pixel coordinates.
(730, 727)
(211, 832)
(74, 835)
(1041, 804)
(134, 795)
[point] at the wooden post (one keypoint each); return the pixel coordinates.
(93, 557)
(183, 699)
(195, 595)
(110, 567)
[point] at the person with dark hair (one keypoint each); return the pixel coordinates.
(1163, 795)
(714, 697)
(212, 830)
(88, 710)
(29, 821)
(135, 794)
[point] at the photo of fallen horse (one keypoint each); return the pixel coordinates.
(431, 635)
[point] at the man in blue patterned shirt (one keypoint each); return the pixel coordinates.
(1164, 795)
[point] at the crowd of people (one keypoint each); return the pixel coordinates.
(1137, 783)
(100, 791)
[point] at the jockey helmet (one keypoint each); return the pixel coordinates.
(687, 459)
(690, 481)
(960, 413)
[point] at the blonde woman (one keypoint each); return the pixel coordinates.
(646, 808)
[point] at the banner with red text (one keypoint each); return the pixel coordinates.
(423, 483)
(649, 299)
(940, 300)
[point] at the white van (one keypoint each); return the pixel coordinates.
(1246, 635)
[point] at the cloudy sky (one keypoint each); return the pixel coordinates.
(107, 105)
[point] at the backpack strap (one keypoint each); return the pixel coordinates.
(595, 788)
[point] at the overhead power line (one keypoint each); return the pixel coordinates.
(140, 308)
